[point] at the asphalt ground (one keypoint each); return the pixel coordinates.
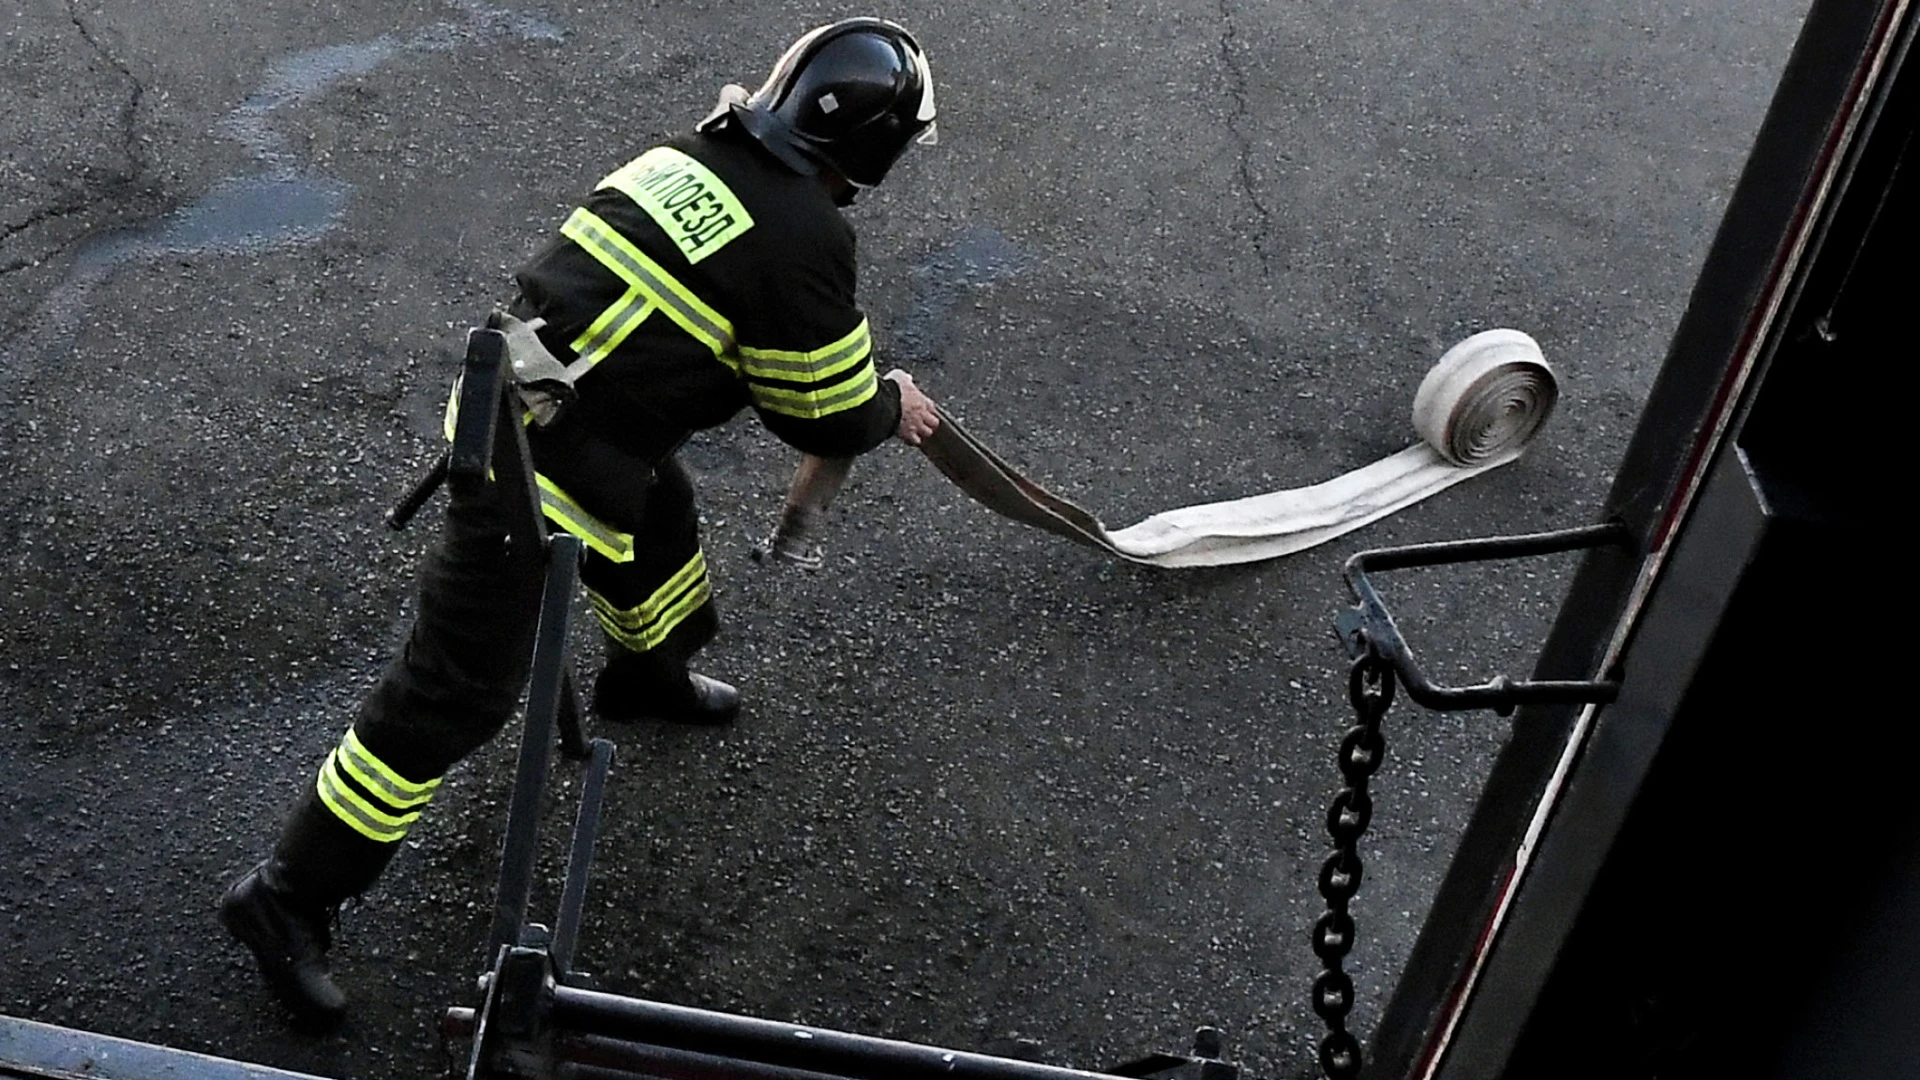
(990, 791)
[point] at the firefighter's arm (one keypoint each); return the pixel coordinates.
(818, 479)
(815, 482)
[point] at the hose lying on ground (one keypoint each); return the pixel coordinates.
(1475, 410)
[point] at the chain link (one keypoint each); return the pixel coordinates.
(1370, 686)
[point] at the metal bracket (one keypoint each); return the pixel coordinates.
(586, 826)
(1369, 621)
(510, 1032)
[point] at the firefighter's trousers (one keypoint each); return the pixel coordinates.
(461, 673)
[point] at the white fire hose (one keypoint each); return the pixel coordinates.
(1475, 410)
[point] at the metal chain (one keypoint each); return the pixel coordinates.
(1370, 686)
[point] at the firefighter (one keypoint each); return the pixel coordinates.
(711, 273)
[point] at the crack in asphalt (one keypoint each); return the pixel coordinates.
(278, 205)
(130, 111)
(116, 180)
(1237, 89)
(40, 217)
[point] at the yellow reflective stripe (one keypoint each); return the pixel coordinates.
(649, 636)
(643, 627)
(649, 608)
(378, 777)
(356, 812)
(571, 516)
(698, 212)
(678, 613)
(816, 366)
(606, 333)
(631, 265)
(813, 404)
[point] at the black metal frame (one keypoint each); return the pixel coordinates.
(490, 447)
(531, 1022)
(1561, 788)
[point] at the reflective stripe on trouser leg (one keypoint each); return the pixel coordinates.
(660, 604)
(368, 795)
(454, 683)
(645, 626)
(348, 824)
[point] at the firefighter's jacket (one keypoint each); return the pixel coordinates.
(703, 277)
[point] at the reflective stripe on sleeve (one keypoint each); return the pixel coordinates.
(814, 404)
(810, 385)
(808, 367)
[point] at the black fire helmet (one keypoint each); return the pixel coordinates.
(850, 95)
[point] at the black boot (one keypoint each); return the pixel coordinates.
(696, 699)
(289, 940)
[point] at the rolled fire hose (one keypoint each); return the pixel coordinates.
(1475, 410)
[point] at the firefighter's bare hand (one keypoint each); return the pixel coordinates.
(919, 417)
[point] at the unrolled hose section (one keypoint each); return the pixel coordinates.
(1476, 410)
